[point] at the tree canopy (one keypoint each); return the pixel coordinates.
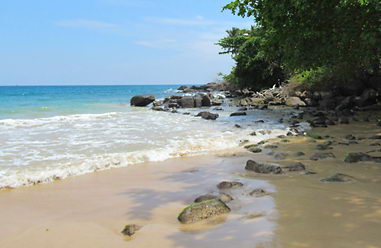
(300, 35)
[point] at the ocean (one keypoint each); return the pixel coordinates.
(53, 132)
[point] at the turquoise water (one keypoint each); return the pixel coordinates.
(54, 132)
(25, 102)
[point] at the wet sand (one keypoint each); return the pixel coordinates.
(301, 211)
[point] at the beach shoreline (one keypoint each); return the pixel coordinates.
(92, 209)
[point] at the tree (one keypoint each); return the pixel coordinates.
(342, 35)
(252, 69)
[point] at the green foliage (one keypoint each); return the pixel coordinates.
(252, 68)
(337, 39)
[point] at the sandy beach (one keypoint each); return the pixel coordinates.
(299, 211)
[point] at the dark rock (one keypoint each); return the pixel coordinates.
(238, 114)
(350, 137)
(323, 147)
(359, 157)
(339, 178)
(258, 193)
(237, 126)
(130, 230)
(142, 101)
(203, 210)
(183, 87)
(281, 156)
(187, 102)
(229, 185)
(205, 198)
(270, 147)
(255, 150)
(218, 108)
(307, 172)
(207, 115)
(318, 156)
(374, 137)
(205, 101)
(263, 168)
(295, 167)
(197, 101)
(299, 154)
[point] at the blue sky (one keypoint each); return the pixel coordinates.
(47, 42)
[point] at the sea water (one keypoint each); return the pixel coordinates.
(53, 132)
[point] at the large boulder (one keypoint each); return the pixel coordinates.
(322, 155)
(142, 101)
(263, 168)
(203, 210)
(205, 101)
(187, 102)
(294, 101)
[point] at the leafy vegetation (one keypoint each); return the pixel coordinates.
(311, 40)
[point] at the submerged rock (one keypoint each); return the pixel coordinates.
(130, 230)
(258, 193)
(238, 114)
(326, 155)
(263, 168)
(339, 178)
(203, 210)
(295, 167)
(229, 185)
(142, 101)
(207, 115)
(359, 156)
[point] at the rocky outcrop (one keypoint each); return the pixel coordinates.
(263, 168)
(223, 197)
(142, 101)
(203, 210)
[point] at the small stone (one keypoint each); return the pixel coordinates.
(130, 230)
(205, 198)
(229, 185)
(258, 193)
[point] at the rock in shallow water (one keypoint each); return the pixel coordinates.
(318, 156)
(142, 101)
(229, 185)
(203, 210)
(359, 156)
(339, 178)
(263, 168)
(207, 115)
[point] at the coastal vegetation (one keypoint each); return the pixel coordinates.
(317, 43)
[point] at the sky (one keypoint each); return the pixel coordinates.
(68, 42)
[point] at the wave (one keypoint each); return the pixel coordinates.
(26, 176)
